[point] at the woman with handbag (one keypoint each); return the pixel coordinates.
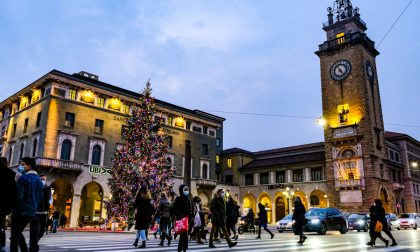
(299, 219)
(182, 209)
(143, 215)
(377, 220)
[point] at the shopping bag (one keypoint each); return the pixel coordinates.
(197, 220)
(378, 227)
(181, 226)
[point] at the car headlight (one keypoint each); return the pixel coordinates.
(411, 221)
(315, 221)
(360, 222)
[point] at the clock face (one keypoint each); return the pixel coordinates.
(369, 70)
(340, 70)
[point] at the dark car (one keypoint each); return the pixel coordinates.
(358, 222)
(321, 220)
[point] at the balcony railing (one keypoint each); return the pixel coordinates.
(206, 182)
(61, 164)
(357, 36)
(349, 183)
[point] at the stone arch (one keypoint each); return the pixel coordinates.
(249, 202)
(91, 202)
(281, 206)
(384, 197)
(318, 199)
(62, 191)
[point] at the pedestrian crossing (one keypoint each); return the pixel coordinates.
(123, 243)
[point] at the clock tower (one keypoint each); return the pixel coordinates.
(354, 130)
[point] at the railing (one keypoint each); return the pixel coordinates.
(349, 183)
(396, 186)
(62, 164)
(325, 24)
(346, 38)
(206, 182)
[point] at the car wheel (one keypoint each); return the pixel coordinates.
(365, 229)
(280, 231)
(398, 228)
(358, 230)
(343, 229)
(415, 227)
(323, 229)
(240, 230)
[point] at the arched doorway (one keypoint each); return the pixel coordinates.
(91, 204)
(318, 199)
(62, 191)
(280, 208)
(248, 203)
(383, 196)
(264, 199)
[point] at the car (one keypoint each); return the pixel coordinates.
(393, 221)
(285, 224)
(321, 220)
(358, 222)
(409, 220)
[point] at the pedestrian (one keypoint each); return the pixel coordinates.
(49, 224)
(29, 194)
(7, 200)
(198, 220)
(56, 217)
(39, 221)
(164, 211)
(299, 219)
(63, 221)
(263, 221)
(143, 216)
(218, 218)
(232, 214)
(377, 214)
(182, 208)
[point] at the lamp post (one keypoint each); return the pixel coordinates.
(289, 195)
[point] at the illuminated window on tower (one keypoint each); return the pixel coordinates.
(340, 38)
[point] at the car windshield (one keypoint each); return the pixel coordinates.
(316, 212)
(356, 216)
(406, 216)
(288, 217)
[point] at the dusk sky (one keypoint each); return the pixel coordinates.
(218, 55)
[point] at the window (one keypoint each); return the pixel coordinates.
(229, 179)
(264, 178)
(73, 94)
(34, 147)
(69, 120)
(212, 133)
(397, 157)
(126, 109)
(168, 162)
(188, 125)
(96, 155)
(217, 159)
(340, 38)
(25, 125)
(229, 163)
(38, 119)
(170, 139)
(316, 174)
(218, 142)
(314, 200)
(101, 102)
(170, 120)
(99, 126)
(22, 150)
(205, 130)
(60, 92)
(249, 179)
(205, 150)
(66, 150)
(298, 175)
(14, 130)
(281, 177)
(10, 155)
(197, 129)
(205, 171)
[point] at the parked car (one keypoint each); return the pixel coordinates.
(321, 220)
(410, 220)
(358, 222)
(393, 221)
(285, 224)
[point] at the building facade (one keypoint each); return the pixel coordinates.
(72, 125)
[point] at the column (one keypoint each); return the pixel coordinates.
(289, 176)
(256, 178)
(307, 172)
(272, 177)
(308, 200)
(75, 210)
(273, 212)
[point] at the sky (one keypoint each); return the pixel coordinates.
(214, 55)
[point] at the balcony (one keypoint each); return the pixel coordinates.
(206, 183)
(397, 186)
(61, 164)
(350, 183)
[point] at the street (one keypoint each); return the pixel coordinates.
(408, 240)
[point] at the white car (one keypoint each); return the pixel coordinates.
(393, 221)
(410, 220)
(285, 224)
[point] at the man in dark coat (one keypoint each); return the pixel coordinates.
(39, 221)
(263, 221)
(299, 219)
(29, 191)
(7, 200)
(218, 217)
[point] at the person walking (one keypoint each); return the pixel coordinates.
(218, 218)
(377, 214)
(63, 221)
(55, 217)
(164, 211)
(198, 219)
(29, 195)
(7, 200)
(144, 211)
(299, 219)
(182, 208)
(263, 221)
(385, 228)
(39, 221)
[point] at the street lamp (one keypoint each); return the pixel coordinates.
(289, 195)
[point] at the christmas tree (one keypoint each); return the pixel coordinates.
(141, 161)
